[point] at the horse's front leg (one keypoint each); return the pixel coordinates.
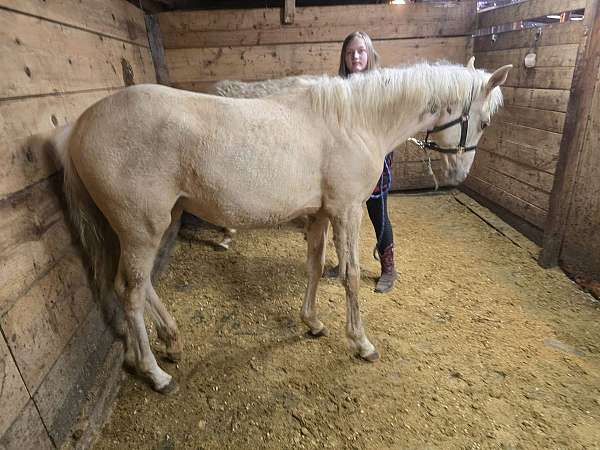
(346, 231)
(316, 239)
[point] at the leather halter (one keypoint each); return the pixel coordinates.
(463, 120)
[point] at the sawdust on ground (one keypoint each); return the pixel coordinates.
(480, 347)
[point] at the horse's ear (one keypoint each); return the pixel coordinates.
(498, 77)
(471, 63)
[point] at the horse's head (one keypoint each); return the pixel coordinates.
(460, 125)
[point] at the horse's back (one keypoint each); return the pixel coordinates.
(235, 161)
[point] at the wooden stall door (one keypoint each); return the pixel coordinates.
(202, 47)
(515, 164)
(573, 229)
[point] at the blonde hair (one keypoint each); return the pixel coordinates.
(372, 55)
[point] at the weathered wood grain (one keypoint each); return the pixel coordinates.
(539, 158)
(40, 57)
(13, 395)
(532, 118)
(514, 204)
(315, 24)
(27, 432)
(115, 18)
(272, 61)
(579, 111)
(485, 168)
(42, 321)
(548, 99)
(34, 235)
(21, 166)
(62, 393)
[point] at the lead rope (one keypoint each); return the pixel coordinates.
(381, 195)
(427, 162)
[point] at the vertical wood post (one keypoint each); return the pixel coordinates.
(157, 49)
(576, 123)
(289, 9)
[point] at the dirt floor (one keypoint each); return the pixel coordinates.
(480, 347)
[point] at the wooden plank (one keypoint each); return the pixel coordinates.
(41, 323)
(533, 118)
(549, 56)
(554, 34)
(62, 394)
(576, 123)
(289, 11)
(27, 432)
(581, 247)
(158, 50)
(537, 77)
(195, 29)
(526, 10)
(101, 397)
(517, 206)
(13, 394)
(536, 157)
(262, 62)
(22, 166)
(500, 225)
(39, 57)
(34, 235)
(532, 137)
(115, 18)
(484, 169)
(514, 169)
(548, 99)
(413, 175)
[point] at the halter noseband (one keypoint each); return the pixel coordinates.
(463, 120)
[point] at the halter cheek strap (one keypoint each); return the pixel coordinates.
(463, 120)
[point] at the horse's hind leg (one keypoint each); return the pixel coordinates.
(132, 284)
(166, 327)
(346, 232)
(316, 240)
(228, 234)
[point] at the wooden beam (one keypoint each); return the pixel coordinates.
(526, 10)
(289, 10)
(157, 49)
(576, 124)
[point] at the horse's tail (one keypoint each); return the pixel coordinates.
(100, 243)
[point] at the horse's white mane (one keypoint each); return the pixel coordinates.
(395, 92)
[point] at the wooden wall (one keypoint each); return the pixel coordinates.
(572, 230)
(203, 47)
(516, 160)
(57, 58)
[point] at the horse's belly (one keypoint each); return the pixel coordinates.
(250, 213)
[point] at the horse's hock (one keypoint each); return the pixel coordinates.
(60, 364)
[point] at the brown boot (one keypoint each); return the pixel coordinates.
(388, 270)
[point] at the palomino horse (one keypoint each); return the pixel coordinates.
(139, 157)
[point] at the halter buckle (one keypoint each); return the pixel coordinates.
(460, 150)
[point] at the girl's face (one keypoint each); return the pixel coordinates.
(356, 56)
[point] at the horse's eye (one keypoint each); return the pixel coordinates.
(484, 125)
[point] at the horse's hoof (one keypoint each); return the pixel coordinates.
(174, 357)
(171, 388)
(323, 332)
(371, 357)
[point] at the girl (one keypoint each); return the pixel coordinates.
(359, 55)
